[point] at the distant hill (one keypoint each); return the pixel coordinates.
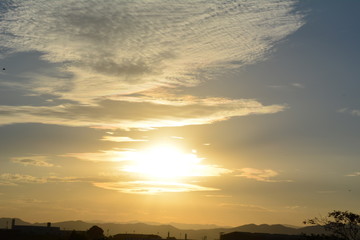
(163, 230)
(6, 222)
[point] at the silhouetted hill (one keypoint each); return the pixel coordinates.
(265, 228)
(252, 228)
(73, 225)
(163, 230)
(6, 222)
(196, 226)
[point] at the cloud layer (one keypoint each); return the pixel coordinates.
(129, 46)
(126, 115)
(151, 187)
(109, 58)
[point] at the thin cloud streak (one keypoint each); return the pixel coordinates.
(109, 183)
(13, 179)
(122, 139)
(353, 112)
(126, 115)
(152, 187)
(245, 207)
(116, 155)
(39, 161)
(355, 174)
(261, 175)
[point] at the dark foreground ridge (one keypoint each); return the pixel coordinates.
(14, 229)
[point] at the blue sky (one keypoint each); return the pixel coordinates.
(238, 112)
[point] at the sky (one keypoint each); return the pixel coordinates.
(222, 112)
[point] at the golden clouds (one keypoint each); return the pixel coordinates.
(262, 175)
(152, 187)
(137, 115)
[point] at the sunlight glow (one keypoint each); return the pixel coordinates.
(162, 168)
(166, 162)
(152, 187)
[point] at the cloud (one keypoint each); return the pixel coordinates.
(297, 85)
(111, 182)
(246, 207)
(122, 139)
(111, 114)
(354, 112)
(117, 47)
(177, 137)
(31, 201)
(115, 155)
(354, 174)
(283, 87)
(153, 170)
(262, 175)
(151, 187)
(218, 196)
(111, 61)
(293, 207)
(13, 179)
(39, 161)
(133, 161)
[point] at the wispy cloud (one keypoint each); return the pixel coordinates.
(298, 85)
(122, 139)
(126, 115)
(152, 187)
(177, 137)
(114, 182)
(246, 207)
(92, 48)
(293, 207)
(13, 179)
(287, 86)
(354, 112)
(39, 161)
(115, 155)
(97, 40)
(31, 201)
(354, 174)
(218, 196)
(262, 175)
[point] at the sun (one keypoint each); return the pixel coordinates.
(164, 168)
(165, 162)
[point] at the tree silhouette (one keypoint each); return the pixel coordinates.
(76, 236)
(95, 233)
(343, 224)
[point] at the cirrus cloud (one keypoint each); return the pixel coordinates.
(262, 175)
(111, 60)
(152, 187)
(131, 46)
(39, 161)
(113, 114)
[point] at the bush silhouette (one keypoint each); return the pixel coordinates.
(95, 233)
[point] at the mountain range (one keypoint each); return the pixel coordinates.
(179, 233)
